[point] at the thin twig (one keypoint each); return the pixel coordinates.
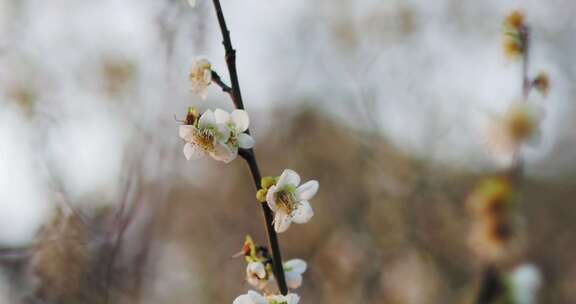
(249, 155)
(219, 82)
(517, 167)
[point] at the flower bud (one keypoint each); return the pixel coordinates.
(261, 195)
(192, 116)
(542, 83)
(514, 21)
(267, 182)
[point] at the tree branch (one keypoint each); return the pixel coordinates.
(491, 285)
(248, 155)
(219, 82)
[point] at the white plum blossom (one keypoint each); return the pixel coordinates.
(289, 200)
(237, 123)
(253, 297)
(256, 275)
(206, 137)
(293, 271)
(200, 76)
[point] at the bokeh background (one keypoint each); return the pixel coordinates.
(385, 102)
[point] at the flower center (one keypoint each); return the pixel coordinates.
(205, 139)
(520, 125)
(286, 201)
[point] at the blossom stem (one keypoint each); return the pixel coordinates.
(249, 155)
(219, 82)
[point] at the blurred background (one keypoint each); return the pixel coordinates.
(385, 102)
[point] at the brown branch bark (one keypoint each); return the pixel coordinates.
(249, 155)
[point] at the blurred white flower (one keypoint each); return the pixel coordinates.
(252, 297)
(289, 201)
(206, 137)
(192, 3)
(256, 275)
(526, 281)
(200, 76)
(293, 271)
(519, 125)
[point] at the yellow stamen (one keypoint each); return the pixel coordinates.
(285, 201)
(204, 138)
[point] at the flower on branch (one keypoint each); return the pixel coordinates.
(200, 76)
(519, 125)
(491, 206)
(259, 271)
(293, 271)
(206, 137)
(253, 297)
(514, 43)
(237, 123)
(542, 83)
(290, 201)
(258, 275)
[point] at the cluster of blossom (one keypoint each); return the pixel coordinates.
(221, 135)
(515, 31)
(493, 203)
(259, 272)
(216, 133)
(520, 124)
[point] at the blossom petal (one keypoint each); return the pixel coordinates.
(221, 116)
(303, 213)
(296, 266)
(192, 3)
(223, 153)
(293, 270)
(251, 297)
(206, 119)
(293, 280)
(207, 76)
(186, 131)
(256, 268)
(243, 299)
(245, 141)
(223, 133)
(292, 298)
(535, 139)
(307, 190)
(271, 198)
(282, 222)
(256, 297)
(192, 152)
(288, 177)
(241, 120)
(203, 93)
